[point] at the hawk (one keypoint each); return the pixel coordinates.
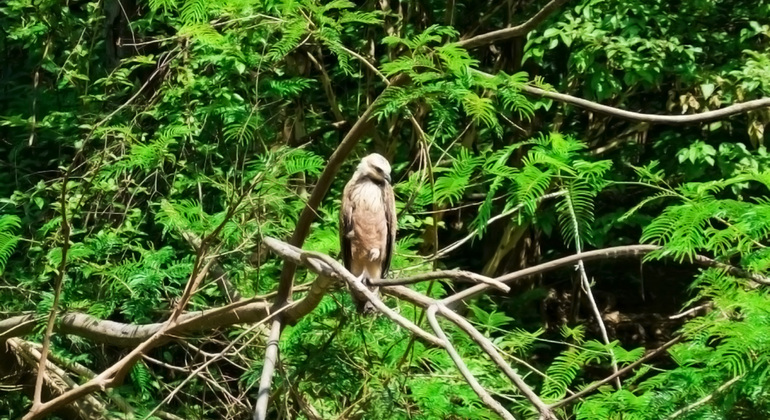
(368, 224)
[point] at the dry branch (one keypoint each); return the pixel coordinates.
(515, 31)
(330, 268)
(599, 254)
(489, 349)
(457, 275)
(480, 391)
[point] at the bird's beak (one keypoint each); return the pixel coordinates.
(387, 178)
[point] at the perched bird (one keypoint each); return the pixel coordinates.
(368, 224)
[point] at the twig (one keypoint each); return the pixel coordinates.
(586, 285)
(594, 386)
(705, 399)
(683, 314)
(513, 32)
(457, 275)
(480, 391)
(504, 214)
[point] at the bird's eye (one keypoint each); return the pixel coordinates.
(379, 170)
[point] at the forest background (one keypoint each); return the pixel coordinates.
(597, 166)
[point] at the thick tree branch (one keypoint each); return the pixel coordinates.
(515, 31)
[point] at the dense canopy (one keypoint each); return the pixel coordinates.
(581, 190)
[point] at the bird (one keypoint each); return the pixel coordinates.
(368, 225)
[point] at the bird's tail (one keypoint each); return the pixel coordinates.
(363, 305)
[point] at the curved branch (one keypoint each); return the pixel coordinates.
(513, 32)
(599, 254)
(703, 117)
(324, 265)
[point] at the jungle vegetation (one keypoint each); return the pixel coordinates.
(171, 179)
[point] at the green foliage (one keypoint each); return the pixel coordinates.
(178, 119)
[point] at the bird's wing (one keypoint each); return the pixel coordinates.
(346, 225)
(389, 204)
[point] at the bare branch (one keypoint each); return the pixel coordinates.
(702, 117)
(489, 348)
(480, 391)
(327, 266)
(271, 356)
(457, 275)
(513, 32)
(599, 254)
(502, 215)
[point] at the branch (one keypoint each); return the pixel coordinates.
(513, 32)
(130, 335)
(489, 349)
(591, 388)
(480, 391)
(323, 265)
(599, 254)
(471, 235)
(217, 271)
(702, 117)
(457, 275)
(705, 399)
(271, 356)
(326, 266)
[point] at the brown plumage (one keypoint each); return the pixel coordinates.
(368, 224)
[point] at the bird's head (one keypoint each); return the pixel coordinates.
(375, 167)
